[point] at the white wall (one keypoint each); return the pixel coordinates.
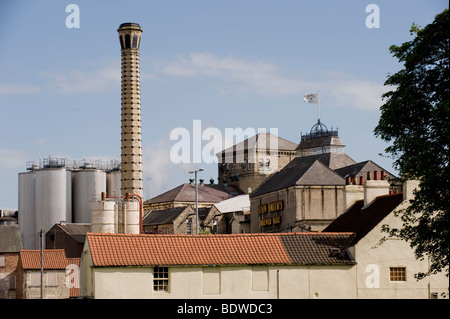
(376, 253)
(268, 282)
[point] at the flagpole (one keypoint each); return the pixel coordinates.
(318, 107)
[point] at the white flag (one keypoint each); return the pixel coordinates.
(311, 98)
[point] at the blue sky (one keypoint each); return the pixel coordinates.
(228, 63)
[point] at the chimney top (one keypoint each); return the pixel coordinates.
(130, 26)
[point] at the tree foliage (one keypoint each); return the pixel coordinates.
(415, 120)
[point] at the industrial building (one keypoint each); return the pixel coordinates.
(351, 259)
(55, 190)
(106, 194)
(316, 186)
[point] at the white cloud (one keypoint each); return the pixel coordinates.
(10, 159)
(98, 80)
(41, 141)
(240, 76)
(160, 174)
(19, 89)
(243, 76)
(345, 90)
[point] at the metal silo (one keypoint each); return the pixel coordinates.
(53, 197)
(131, 213)
(88, 184)
(104, 215)
(113, 183)
(30, 239)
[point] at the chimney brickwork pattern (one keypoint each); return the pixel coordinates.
(131, 148)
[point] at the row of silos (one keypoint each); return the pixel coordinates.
(55, 192)
(116, 216)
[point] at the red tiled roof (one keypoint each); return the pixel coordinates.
(53, 259)
(236, 249)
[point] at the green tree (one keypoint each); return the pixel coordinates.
(415, 121)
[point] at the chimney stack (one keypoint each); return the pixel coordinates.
(409, 186)
(374, 188)
(131, 153)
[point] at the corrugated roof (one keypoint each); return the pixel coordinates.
(53, 259)
(109, 250)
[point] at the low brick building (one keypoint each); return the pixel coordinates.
(10, 245)
(182, 220)
(58, 274)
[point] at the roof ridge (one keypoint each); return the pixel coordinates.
(45, 250)
(222, 235)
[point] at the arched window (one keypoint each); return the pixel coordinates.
(127, 41)
(135, 40)
(121, 42)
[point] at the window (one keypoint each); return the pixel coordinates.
(211, 280)
(260, 278)
(52, 279)
(215, 227)
(261, 163)
(121, 42)
(127, 41)
(397, 273)
(161, 279)
(135, 40)
(2, 261)
(12, 282)
(267, 163)
(189, 226)
(35, 279)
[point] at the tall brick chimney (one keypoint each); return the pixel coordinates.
(131, 154)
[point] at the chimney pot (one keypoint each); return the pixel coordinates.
(348, 180)
(375, 175)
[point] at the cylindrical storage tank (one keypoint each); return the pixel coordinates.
(113, 183)
(26, 215)
(131, 217)
(87, 184)
(53, 198)
(103, 217)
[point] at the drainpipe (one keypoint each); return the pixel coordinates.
(42, 264)
(278, 284)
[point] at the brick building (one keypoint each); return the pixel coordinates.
(10, 246)
(60, 275)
